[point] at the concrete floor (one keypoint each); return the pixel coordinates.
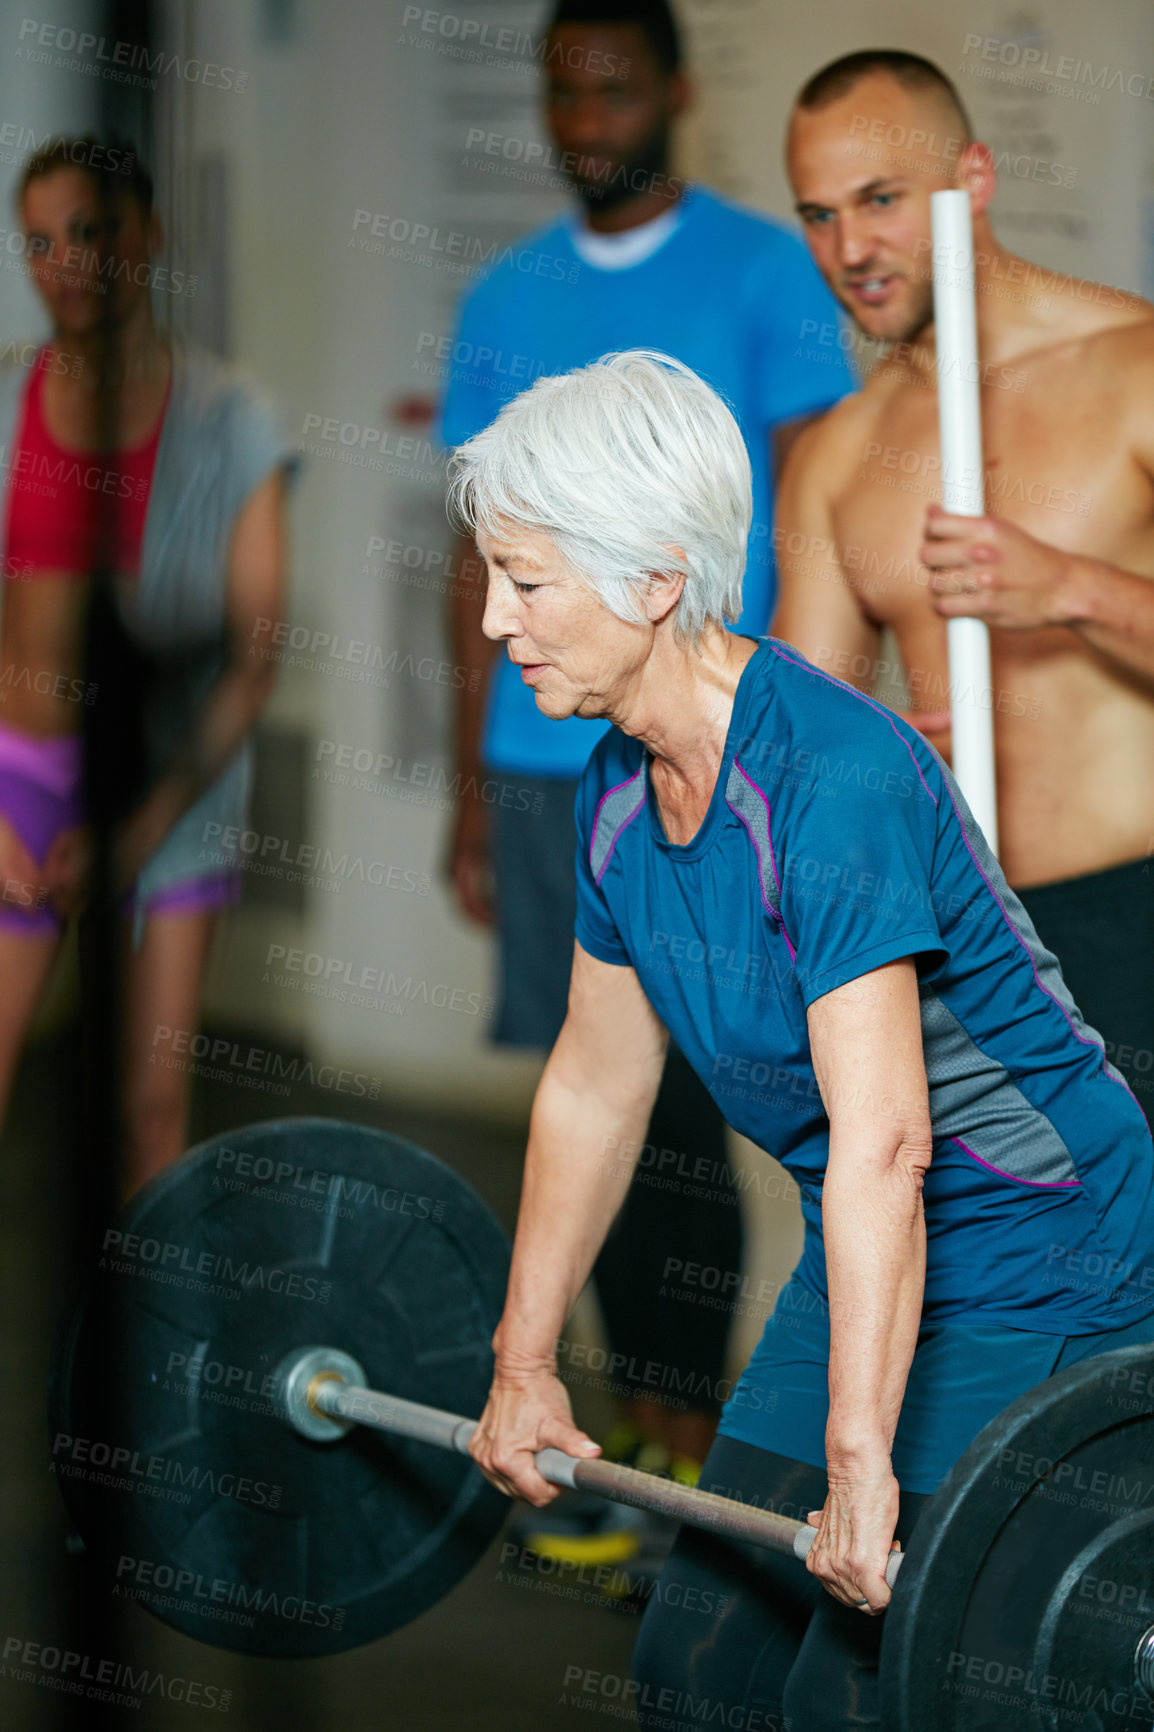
(508, 1649)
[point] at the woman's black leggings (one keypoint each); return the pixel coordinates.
(734, 1627)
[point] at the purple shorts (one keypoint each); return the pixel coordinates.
(40, 795)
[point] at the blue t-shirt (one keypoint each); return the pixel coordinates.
(732, 294)
(836, 840)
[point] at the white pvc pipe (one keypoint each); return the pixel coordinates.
(960, 422)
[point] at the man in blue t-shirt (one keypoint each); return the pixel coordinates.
(644, 260)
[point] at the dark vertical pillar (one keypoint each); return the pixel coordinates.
(113, 769)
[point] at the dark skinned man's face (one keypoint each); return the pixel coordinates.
(611, 104)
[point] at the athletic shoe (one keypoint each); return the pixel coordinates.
(580, 1528)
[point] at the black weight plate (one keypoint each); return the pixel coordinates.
(297, 1233)
(1030, 1574)
(1100, 1607)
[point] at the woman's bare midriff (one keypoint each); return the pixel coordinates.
(43, 688)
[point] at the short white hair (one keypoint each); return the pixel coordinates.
(620, 463)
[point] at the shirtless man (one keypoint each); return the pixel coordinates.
(1059, 568)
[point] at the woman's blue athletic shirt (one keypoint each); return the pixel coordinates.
(837, 840)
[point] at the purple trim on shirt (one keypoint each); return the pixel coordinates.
(807, 667)
(625, 822)
(775, 914)
(1042, 1184)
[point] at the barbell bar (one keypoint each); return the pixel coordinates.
(322, 1391)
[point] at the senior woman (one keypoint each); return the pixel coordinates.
(783, 875)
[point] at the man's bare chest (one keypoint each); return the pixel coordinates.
(1056, 463)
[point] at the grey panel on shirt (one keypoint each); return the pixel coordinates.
(972, 1096)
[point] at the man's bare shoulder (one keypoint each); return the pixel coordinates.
(1125, 348)
(1091, 315)
(1112, 359)
(1105, 307)
(834, 441)
(1119, 366)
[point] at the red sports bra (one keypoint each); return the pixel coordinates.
(60, 503)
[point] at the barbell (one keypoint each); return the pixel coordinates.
(254, 1490)
(321, 1392)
